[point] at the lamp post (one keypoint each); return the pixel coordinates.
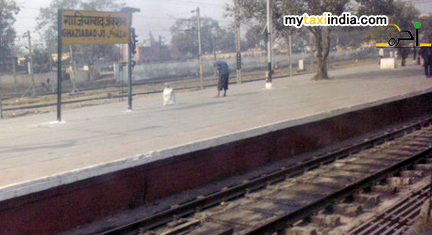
(213, 37)
(30, 68)
(238, 43)
(269, 45)
(199, 47)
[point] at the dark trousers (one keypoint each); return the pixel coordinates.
(428, 70)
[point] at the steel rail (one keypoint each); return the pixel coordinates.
(203, 202)
(305, 211)
(183, 81)
(407, 206)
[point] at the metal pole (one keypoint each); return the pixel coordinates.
(59, 65)
(214, 48)
(269, 43)
(1, 108)
(31, 62)
(130, 71)
(73, 65)
(312, 56)
(200, 48)
(160, 48)
(238, 43)
(290, 55)
(14, 69)
(122, 82)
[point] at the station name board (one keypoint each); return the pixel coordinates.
(95, 27)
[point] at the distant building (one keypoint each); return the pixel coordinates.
(149, 51)
(154, 53)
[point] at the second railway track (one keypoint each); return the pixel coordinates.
(278, 200)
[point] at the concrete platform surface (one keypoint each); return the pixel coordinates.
(37, 153)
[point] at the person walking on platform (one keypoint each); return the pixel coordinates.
(426, 54)
(223, 73)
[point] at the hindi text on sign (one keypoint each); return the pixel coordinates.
(87, 27)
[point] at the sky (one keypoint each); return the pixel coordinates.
(156, 16)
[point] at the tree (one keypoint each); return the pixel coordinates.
(47, 21)
(184, 41)
(256, 10)
(90, 54)
(348, 38)
(255, 37)
(224, 39)
(426, 29)
(8, 10)
(42, 61)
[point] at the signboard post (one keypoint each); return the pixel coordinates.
(130, 53)
(59, 64)
(89, 28)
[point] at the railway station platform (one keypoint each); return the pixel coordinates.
(38, 154)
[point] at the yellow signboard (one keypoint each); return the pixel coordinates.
(95, 27)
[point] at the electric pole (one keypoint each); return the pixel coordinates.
(131, 49)
(214, 47)
(160, 48)
(269, 45)
(73, 70)
(59, 65)
(238, 43)
(200, 48)
(31, 63)
(290, 55)
(14, 60)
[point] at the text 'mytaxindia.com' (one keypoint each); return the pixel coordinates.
(327, 19)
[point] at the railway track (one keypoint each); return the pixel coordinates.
(397, 219)
(180, 84)
(333, 183)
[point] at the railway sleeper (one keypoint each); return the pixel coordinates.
(326, 220)
(415, 174)
(382, 155)
(384, 189)
(421, 135)
(407, 150)
(297, 230)
(411, 141)
(399, 181)
(368, 200)
(181, 227)
(423, 167)
(348, 209)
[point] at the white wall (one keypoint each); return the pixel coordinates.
(190, 68)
